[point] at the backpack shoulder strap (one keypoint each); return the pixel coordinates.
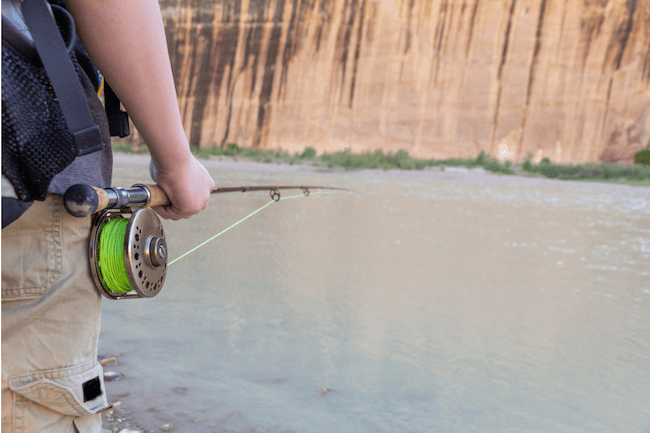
(62, 74)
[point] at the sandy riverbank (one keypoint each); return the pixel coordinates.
(476, 174)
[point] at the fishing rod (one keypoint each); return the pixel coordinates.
(84, 200)
(128, 248)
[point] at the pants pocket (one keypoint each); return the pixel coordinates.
(80, 394)
(32, 251)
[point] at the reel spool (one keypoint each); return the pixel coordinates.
(128, 257)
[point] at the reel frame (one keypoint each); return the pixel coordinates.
(145, 253)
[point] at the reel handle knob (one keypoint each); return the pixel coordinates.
(83, 200)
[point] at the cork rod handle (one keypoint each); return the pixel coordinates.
(84, 200)
(158, 196)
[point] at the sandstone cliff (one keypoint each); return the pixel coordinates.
(564, 79)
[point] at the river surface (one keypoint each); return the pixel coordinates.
(440, 302)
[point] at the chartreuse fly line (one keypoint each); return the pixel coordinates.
(111, 248)
(111, 255)
(239, 222)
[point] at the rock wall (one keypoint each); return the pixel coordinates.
(555, 78)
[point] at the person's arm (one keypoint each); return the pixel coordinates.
(126, 40)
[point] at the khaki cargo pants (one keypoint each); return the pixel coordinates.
(51, 313)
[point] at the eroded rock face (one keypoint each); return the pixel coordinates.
(556, 78)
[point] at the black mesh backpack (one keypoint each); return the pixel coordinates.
(46, 122)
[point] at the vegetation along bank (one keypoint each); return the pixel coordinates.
(636, 174)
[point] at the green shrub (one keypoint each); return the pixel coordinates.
(590, 171)
(547, 170)
(231, 150)
(308, 153)
(527, 165)
(642, 156)
(480, 159)
(121, 146)
(493, 164)
(611, 172)
(203, 153)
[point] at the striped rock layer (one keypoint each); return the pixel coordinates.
(563, 79)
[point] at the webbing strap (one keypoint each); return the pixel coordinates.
(61, 72)
(118, 120)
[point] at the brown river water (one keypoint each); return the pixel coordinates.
(452, 301)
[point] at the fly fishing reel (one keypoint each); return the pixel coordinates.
(128, 256)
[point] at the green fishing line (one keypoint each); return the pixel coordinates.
(240, 221)
(111, 255)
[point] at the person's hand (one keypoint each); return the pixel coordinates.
(187, 185)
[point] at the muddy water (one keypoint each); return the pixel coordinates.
(456, 302)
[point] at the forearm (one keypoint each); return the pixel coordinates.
(126, 40)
